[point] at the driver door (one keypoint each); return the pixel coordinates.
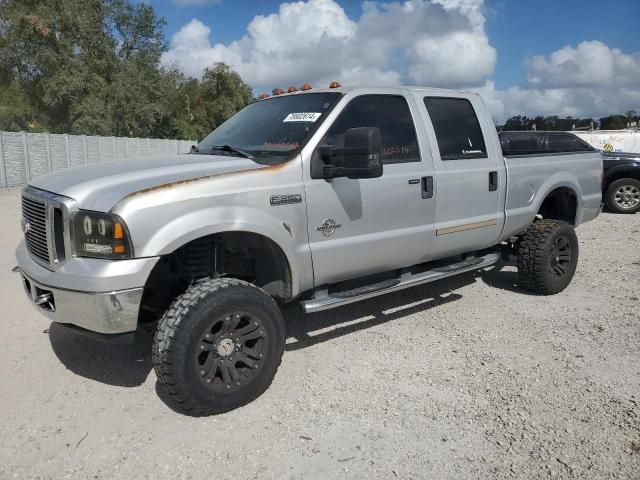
(364, 226)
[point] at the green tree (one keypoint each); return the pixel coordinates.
(94, 67)
(613, 122)
(517, 122)
(203, 105)
(139, 88)
(552, 122)
(15, 110)
(58, 52)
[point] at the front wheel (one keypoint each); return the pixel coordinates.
(623, 196)
(547, 256)
(218, 346)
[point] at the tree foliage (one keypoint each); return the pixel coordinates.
(616, 122)
(612, 122)
(521, 122)
(93, 67)
(196, 114)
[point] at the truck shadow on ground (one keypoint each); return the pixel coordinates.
(113, 364)
(502, 279)
(129, 365)
(307, 330)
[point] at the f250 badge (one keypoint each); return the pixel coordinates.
(328, 227)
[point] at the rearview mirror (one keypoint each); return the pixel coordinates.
(361, 156)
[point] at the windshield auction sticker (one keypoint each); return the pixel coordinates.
(302, 117)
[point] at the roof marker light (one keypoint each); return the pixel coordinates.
(334, 85)
(262, 96)
(292, 89)
(277, 91)
(305, 87)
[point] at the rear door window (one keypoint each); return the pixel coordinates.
(457, 128)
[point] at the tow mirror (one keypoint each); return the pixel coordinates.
(361, 156)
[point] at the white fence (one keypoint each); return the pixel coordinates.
(612, 140)
(24, 156)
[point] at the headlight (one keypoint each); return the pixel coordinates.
(100, 235)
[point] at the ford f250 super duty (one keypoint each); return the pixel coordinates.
(323, 197)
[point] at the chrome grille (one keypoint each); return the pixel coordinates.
(34, 213)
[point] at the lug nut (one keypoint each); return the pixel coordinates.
(201, 372)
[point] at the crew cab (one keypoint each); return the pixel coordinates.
(318, 196)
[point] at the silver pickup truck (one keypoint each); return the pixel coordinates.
(323, 197)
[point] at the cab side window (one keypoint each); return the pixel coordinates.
(391, 115)
(457, 128)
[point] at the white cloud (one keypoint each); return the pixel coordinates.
(316, 41)
(589, 80)
(474, 60)
(590, 64)
(435, 43)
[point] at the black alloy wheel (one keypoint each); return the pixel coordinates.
(560, 256)
(231, 351)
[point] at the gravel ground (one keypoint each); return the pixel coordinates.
(467, 378)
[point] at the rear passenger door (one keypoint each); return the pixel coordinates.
(470, 173)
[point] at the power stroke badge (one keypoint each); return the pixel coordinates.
(328, 227)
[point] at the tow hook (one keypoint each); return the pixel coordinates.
(45, 301)
(42, 299)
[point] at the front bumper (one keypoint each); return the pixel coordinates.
(97, 295)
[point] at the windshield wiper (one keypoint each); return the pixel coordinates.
(231, 148)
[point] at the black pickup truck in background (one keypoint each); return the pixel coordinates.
(621, 180)
(621, 184)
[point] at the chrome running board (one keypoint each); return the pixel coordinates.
(323, 301)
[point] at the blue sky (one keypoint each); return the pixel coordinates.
(550, 57)
(522, 28)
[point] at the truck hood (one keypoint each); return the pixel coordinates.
(100, 186)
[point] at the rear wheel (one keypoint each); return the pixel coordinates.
(547, 256)
(623, 196)
(218, 346)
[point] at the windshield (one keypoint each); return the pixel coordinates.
(271, 130)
